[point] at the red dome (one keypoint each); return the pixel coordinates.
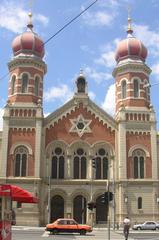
(132, 48)
(28, 43)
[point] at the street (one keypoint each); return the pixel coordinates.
(26, 233)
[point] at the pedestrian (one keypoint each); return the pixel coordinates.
(126, 223)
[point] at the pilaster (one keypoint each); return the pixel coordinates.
(154, 146)
(3, 169)
(122, 161)
(38, 140)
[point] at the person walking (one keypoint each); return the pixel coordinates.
(126, 227)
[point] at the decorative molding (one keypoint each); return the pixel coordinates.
(17, 144)
(138, 146)
(80, 125)
(131, 67)
(89, 106)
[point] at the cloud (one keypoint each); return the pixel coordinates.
(14, 18)
(108, 11)
(109, 102)
(1, 119)
(106, 59)
(92, 95)
(107, 55)
(97, 76)
(99, 18)
(148, 37)
(155, 70)
(61, 93)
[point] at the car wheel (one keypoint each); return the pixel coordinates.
(55, 231)
(138, 228)
(82, 232)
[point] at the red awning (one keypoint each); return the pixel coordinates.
(21, 195)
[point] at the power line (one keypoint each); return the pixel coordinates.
(61, 29)
(67, 24)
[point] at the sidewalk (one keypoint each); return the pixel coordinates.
(114, 235)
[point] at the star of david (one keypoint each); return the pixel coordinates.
(80, 125)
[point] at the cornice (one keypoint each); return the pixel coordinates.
(131, 67)
(73, 104)
(27, 62)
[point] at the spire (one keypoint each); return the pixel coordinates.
(30, 24)
(129, 28)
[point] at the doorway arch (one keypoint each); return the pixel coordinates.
(79, 209)
(101, 211)
(57, 207)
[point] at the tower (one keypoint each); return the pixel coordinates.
(23, 113)
(136, 140)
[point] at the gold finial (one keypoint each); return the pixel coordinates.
(129, 29)
(30, 24)
(81, 71)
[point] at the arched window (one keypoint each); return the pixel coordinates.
(36, 86)
(80, 164)
(57, 170)
(136, 88)
(147, 91)
(138, 159)
(123, 89)
(139, 203)
(21, 155)
(24, 83)
(101, 164)
(13, 85)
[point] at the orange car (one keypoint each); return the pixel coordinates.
(67, 225)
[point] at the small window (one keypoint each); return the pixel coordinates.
(123, 89)
(36, 87)
(24, 83)
(136, 88)
(13, 85)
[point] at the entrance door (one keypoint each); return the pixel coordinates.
(57, 207)
(101, 211)
(79, 209)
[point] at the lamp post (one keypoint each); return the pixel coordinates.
(49, 198)
(49, 188)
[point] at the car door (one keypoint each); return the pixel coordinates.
(73, 226)
(150, 225)
(62, 226)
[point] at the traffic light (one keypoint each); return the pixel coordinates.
(93, 162)
(91, 205)
(107, 197)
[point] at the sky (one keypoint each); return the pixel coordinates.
(88, 43)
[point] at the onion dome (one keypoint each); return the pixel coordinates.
(130, 47)
(28, 43)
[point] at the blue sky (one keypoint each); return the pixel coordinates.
(89, 43)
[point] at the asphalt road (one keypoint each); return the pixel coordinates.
(36, 234)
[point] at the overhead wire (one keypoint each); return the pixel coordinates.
(60, 30)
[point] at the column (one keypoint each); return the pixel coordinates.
(154, 152)
(38, 142)
(122, 151)
(4, 156)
